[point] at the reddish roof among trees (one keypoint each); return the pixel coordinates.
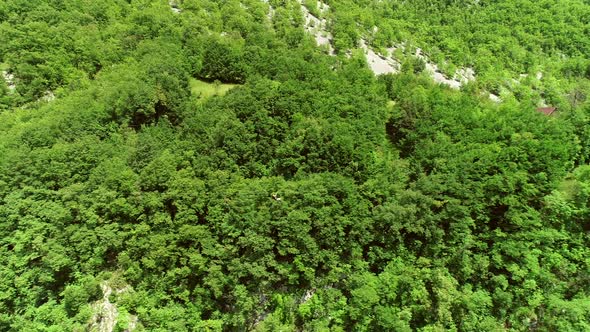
(546, 110)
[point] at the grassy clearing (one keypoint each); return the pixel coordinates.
(204, 90)
(575, 182)
(569, 188)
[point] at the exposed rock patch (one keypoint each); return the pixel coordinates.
(461, 77)
(271, 13)
(105, 317)
(48, 96)
(318, 27)
(307, 296)
(494, 98)
(9, 78)
(106, 313)
(386, 64)
(174, 6)
(378, 63)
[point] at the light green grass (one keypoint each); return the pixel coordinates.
(569, 188)
(3, 66)
(204, 90)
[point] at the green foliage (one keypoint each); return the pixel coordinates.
(75, 296)
(222, 61)
(219, 172)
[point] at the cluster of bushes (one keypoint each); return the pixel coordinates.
(311, 196)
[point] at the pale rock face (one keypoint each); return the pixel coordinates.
(271, 13)
(174, 7)
(494, 98)
(105, 317)
(106, 313)
(384, 64)
(317, 27)
(324, 7)
(307, 296)
(380, 64)
(462, 76)
(9, 78)
(466, 74)
(48, 96)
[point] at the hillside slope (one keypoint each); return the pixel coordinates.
(233, 165)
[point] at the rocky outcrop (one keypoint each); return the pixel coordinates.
(9, 78)
(106, 313)
(317, 27)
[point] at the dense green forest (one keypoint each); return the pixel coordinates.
(204, 165)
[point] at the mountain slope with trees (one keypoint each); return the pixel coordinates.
(217, 171)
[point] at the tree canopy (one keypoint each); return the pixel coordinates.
(205, 166)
